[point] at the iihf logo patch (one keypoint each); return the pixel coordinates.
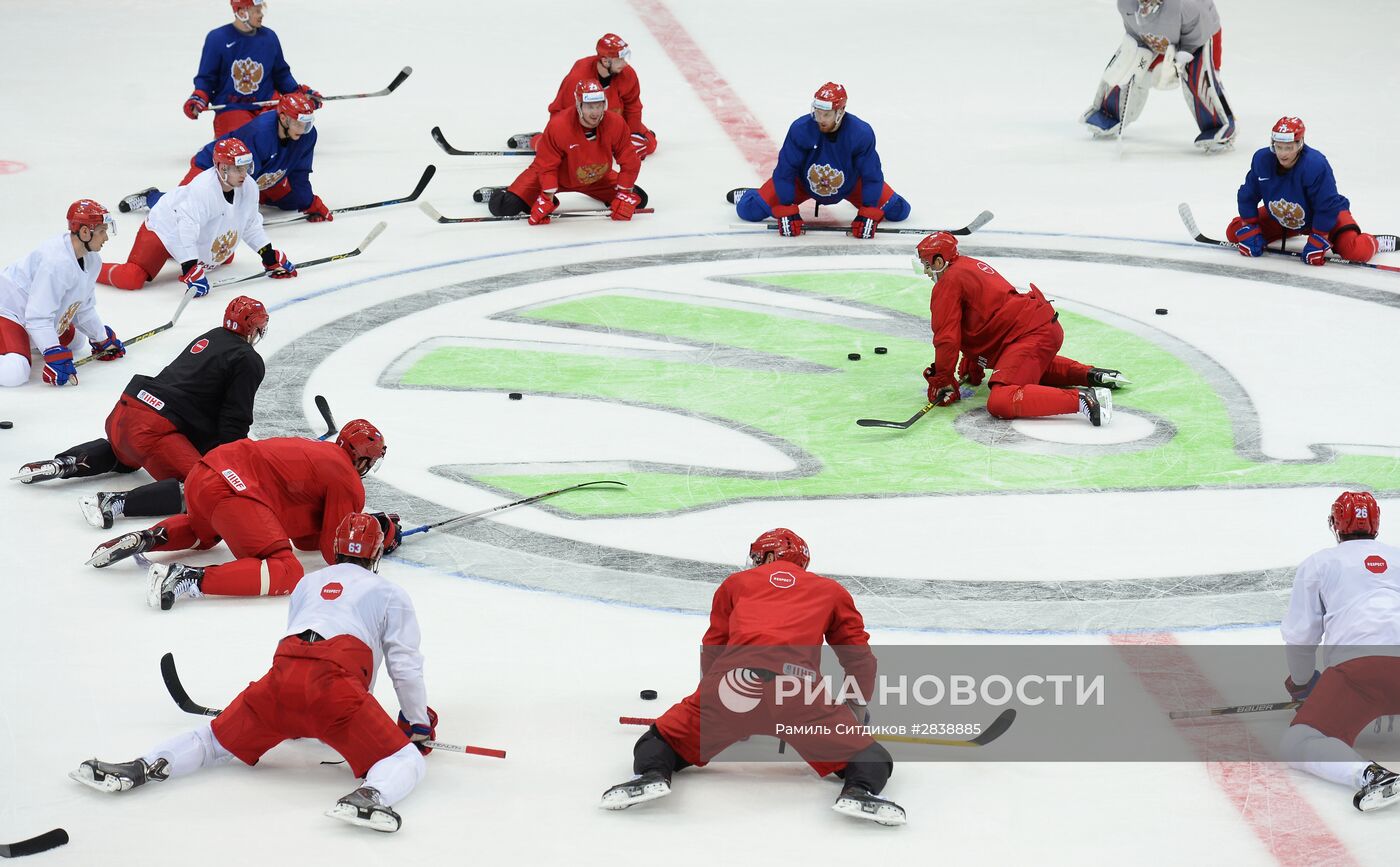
(199, 346)
(332, 591)
(1376, 563)
(233, 480)
(150, 399)
(247, 75)
(1290, 215)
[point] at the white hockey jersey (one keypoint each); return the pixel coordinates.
(48, 290)
(1349, 594)
(196, 221)
(1185, 25)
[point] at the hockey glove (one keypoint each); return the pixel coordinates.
(317, 212)
(419, 732)
(543, 207)
(198, 102)
(393, 531)
(970, 370)
(193, 278)
(108, 350)
(789, 221)
(1301, 693)
(59, 369)
(276, 263)
(317, 99)
(865, 222)
(942, 388)
(1249, 238)
(624, 204)
(1315, 251)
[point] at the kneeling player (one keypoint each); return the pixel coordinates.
(199, 225)
(1299, 195)
(1345, 596)
(765, 620)
(975, 311)
(342, 620)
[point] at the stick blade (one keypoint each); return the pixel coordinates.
(373, 233)
(875, 422)
(42, 843)
(324, 408)
(177, 689)
(1189, 219)
(978, 222)
(997, 728)
(400, 78)
(428, 174)
(432, 213)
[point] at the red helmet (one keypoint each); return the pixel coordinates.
(786, 544)
(364, 443)
(1288, 129)
(1355, 513)
(232, 152)
(589, 91)
(612, 45)
(943, 244)
(246, 316)
(297, 106)
(359, 535)
(87, 212)
(830, 97)
(240, 5)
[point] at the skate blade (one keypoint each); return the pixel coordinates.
(30, 475)
(622, 799)
(884, 814)
(118, 550)
(156, 595)
(109, 782)
(1382, 797)
(377, 819)
(1105, 396)
(93, 514)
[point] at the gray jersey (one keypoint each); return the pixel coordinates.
(1185, 24)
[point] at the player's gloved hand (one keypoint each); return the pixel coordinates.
(1183, 58)
(393, 531)
(1315, 251)
(193, 278)
(544, 206)
(942, 388)
(198, 102)
(624, 204)
(317, 99)
(1301, 693)
(108, 350)
(58, 366)
(865, 222)
(640, 144)
(419, 732)
(790, 224)
(1249, 240)
(970, 370)
(317, 212)
(276, 263)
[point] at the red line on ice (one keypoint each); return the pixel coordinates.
(724, 104)
(1263, 794)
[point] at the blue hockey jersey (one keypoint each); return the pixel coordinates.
(273, 159)
(238, 67)
(1305, 195)
(829, 165)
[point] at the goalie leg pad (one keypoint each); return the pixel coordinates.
(1206, 98)
(1123, 88)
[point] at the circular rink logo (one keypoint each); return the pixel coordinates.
(712, 379)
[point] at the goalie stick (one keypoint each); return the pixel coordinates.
(393, 86)
(182, 698)
(989, 734)
(441, 140)
(1234, 709)
(180, 308)
(501, 508)
(434, 215)
(42, 843)
(373, 233)
(324, 408)
(978, 222)
(1189, 220)
(411, 197)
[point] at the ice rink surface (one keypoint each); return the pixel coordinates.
(704, 363)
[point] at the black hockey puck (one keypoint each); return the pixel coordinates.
(649, 694)
(1161, 311)
(881, 350)
(853, 356)
(6, 425)
(515, 395)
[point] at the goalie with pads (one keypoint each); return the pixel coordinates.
(1165, 41)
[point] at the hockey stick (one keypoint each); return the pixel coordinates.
(1234, 709)
(182, 698)
(42, 843)
(908, 423)
(180, 308)
(373, 233)
(1190, 220)
(978, 222)
(393, 86)
(411, 197)
(325, 409)
(434, 215)
(989, 734)
(484, 512)
(442, 143)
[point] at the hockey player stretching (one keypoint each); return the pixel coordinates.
(766, 620)
(343, 621)
(1347, 597)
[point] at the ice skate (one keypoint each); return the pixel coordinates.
(126, 545)
(1381, 788)
(1386, 243)
(105, 777)
(521, 140)
(1096, 404)
(168, 582)
(136, 201)
(103, 508)
(638, 790)
(1103, 377)
(858, 803)
(484, 194)
(41, 471)
(363, 807)
(734, 195)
